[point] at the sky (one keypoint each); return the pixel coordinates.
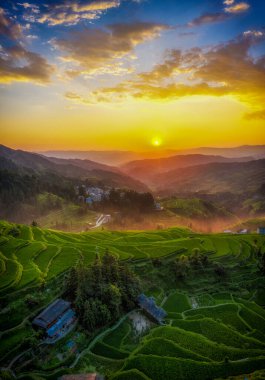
(138, 75)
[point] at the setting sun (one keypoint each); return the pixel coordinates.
(156, 141)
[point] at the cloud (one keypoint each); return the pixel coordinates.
(228, 2)
(226, 69)
(208, 18)
(237, 8)
(77, 98)
(98, 50)
(18, 64)
(255, 115)
(230, 8)
(253, 33)
(68, 12)
(8, 28)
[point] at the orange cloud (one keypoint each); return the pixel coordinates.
(226, 69)
(237, 8)
(255, 115)
(70, 13)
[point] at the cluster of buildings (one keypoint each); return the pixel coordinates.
(148, 305)
(56, 320)
(92, 194)
(260, 231)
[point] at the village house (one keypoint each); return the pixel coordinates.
(84, 376)
(261, 230)
(149, 306)
(56, 319)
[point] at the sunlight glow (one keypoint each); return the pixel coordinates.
(156, 141)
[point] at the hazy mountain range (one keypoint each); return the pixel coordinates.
(215, 177)
(117, 157)
(148, 170)
(189, 173)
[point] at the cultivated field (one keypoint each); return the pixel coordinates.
(215, 326)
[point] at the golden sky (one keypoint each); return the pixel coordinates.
(132, 75)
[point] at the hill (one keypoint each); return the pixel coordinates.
(79, 169)
(233, 177)
(254, 151)
(148, 170)
(195, 208)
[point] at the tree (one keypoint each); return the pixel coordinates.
(261, 264)
(112, 298)
(89, 320)
(194, 258)
(219, 270)
(102, 290)
(71, 282)
(204, 259)
(181, 266)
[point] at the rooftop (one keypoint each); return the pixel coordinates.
(88, 376)
(51, 313)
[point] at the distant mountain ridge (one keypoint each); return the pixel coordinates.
(79, 169)
(119, 157)
(233, 177)
(147, 170)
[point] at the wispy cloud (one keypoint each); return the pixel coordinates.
(35, 68)
(67, 12)
(97, 50)
(229, 2)
(230, 8)
(208, 18)
(16, 62)
(237, 8)
(255, 115)
(225, 69)
(9, 28)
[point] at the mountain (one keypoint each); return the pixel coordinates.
(255, 151)
(115, 158)
(147, 170)
(79, 169)
(232, 177)
(118, 158)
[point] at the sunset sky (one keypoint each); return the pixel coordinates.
(132, 74)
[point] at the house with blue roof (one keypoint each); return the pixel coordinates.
(148, 304)
(56, 319)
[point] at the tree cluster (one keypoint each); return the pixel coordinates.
(102, 291)
(129, 200)
(23, 187)
(261, 263)
(184, 263)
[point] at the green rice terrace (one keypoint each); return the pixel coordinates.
(215, 323)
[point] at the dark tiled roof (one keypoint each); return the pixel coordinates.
(149, 305)
(51, 313)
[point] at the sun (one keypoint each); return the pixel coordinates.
(156, 141)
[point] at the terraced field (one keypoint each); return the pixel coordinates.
(195, 343)
(215, 326)
(36, 255)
